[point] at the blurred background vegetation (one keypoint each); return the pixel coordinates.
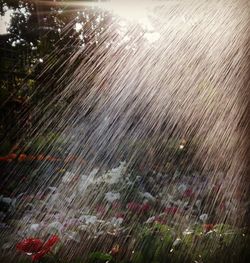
(32, 41)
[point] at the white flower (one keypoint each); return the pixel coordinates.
(203, 217)
(91, 220)
(111, 197)
(85, 180)
(114, 176)
(83, 227)
(78, 27)
(88, 219)
(68, 177)
(34, 227)
(177, 242)
(170, 198)
(150, 220)
(148, 196)
(187, 232)
(116, 221)
(182, 188)
(73, 236)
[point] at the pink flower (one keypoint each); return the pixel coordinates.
(138, 208)
(145, 208)
(188, 193)
(116, 205)
(133, 207)
(119, 215)
(171, 210)
(101, 209)
(160, 220)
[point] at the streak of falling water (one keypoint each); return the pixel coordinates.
(180, 76)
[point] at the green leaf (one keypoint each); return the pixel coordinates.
(99, 257)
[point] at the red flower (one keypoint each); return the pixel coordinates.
(12, 156)
(5, 159)
(22, 157)
(51, 242)
(208, 227)
(30, 245)
(36, 247)
(115, 250)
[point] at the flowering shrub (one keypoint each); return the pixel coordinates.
(120, 215)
